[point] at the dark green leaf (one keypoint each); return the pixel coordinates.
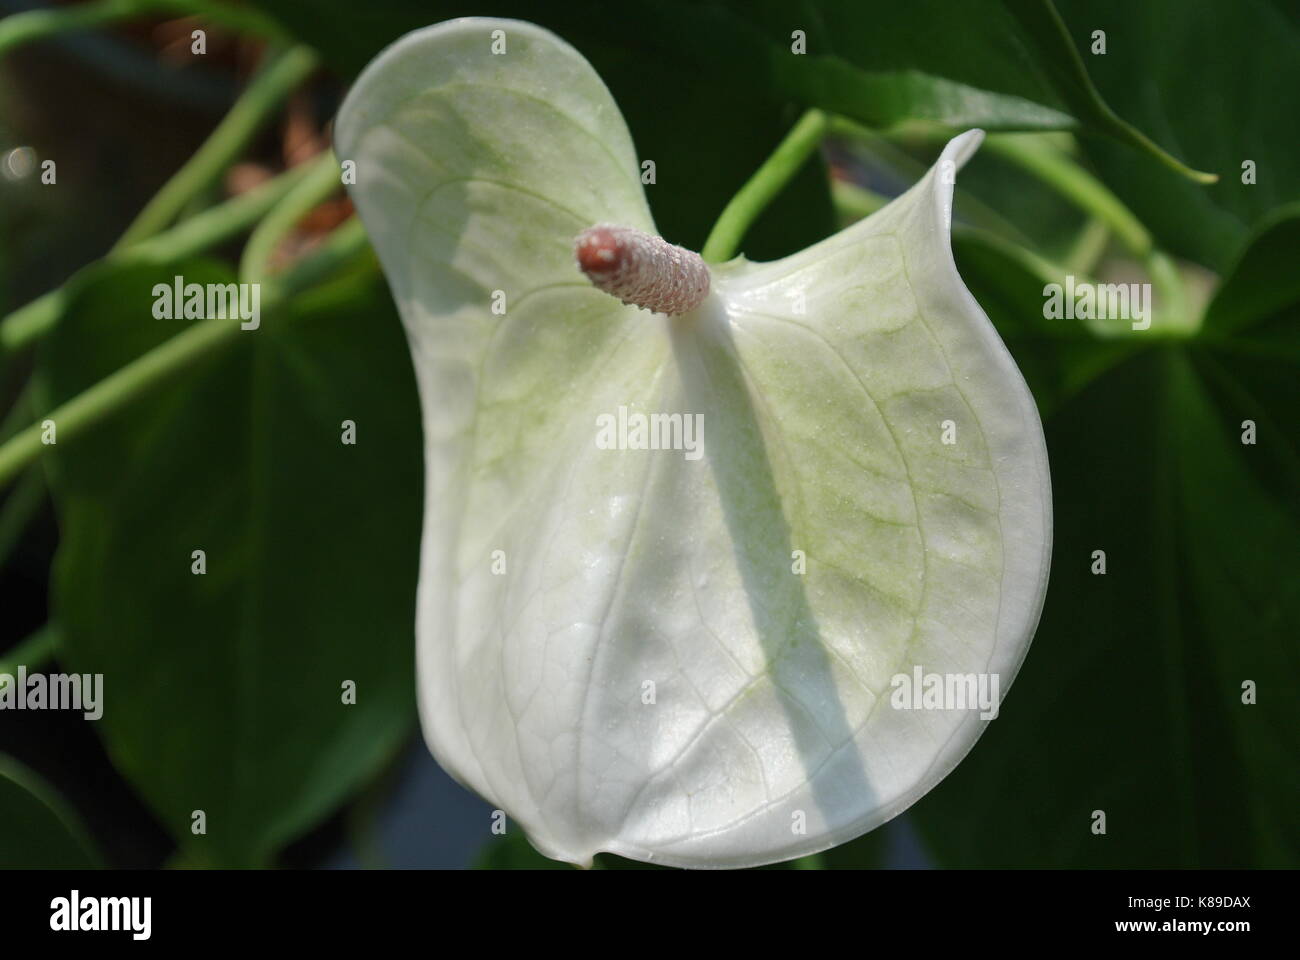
(1264, 283)
(224, 691)
(1058, 57)
(1130, 701)
(883, 64)
(1214, 82)
(1252, 355)
(709, 89)
(704, 149)
(37, 829)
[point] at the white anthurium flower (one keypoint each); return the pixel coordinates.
(707, 655)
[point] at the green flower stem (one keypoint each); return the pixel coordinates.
(239, 19)
(33, 652)
(26, 498)
(29, 323)
(1059, 171)
(766, 183)
(33, 25)
(882, 149)
(1088, 247)
(1176, 319)
(1042, 269)
(167, 359)
(115, 391)
(342, 246)
(268, 89)
(216, 224)
(853, 202)
(1046, 156)
(21, 28)
(1063, 66)
(320, 182)
(1090, 195)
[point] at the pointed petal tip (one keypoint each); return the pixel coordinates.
(962, 147)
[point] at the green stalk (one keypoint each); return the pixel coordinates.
(1059, 171)
(268, 89)
(169, 358)
(1059, 60)
(1175, 317)
(344, 244)
(321, 180)
(202, 232)
(26, 498)
(1090, 195)
(31, 25)
(853, 202)
(1088, 247)
(205, 230)
(21, 28)
(1042, 269)
(238, 19)
(32, 652)
(115, 391)
(763, 186)
(875, 144)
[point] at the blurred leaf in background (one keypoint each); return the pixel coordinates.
(1133, 700)
(1216, 84)
(40, 831)
(227, 687)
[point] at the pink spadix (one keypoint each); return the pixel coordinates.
(643, 270)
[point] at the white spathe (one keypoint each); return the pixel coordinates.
(617, 646)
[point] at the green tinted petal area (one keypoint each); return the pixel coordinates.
(908, 458)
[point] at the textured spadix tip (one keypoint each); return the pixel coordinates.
(639, 269)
